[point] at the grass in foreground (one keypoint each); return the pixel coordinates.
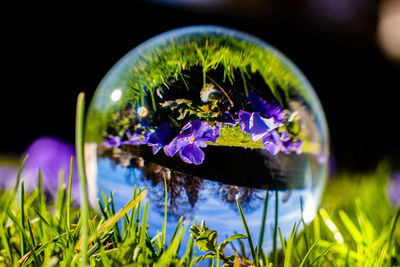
(357, 229)
(356, 226)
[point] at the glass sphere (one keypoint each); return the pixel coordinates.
(221, 117)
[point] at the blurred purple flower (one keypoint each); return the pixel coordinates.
(193, 135)
(161, 137)
(114, 141)
(51, 156)
(393, 188)
(136, 139)
(290, 144)
(268, 110)
(7, 176)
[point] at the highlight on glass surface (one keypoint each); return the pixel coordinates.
(217, 115)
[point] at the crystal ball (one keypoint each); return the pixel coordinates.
(217, 115)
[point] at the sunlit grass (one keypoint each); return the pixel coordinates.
(356, 226)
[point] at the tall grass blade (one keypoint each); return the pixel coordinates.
(289, 248)
(263, 220)
(22, 218)
(164, 227)
(351, 228)
(246, 228)
(108, 224)
(275, 249)
(305, 259)
(33, 241)
(80, 107)
(71, 168)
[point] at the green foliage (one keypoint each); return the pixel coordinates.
(359, 228)
(206, 240)
(37, 233)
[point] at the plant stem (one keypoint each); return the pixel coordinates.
(82, 177)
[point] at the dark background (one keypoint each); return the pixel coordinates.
(53, 53)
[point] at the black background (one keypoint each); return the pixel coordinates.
(53, 53)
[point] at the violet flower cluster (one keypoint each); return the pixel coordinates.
(265, 124)
(193, 136)
(188, 143)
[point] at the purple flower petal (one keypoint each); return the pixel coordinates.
(193, 135)
(176, 144)
(160, 138)
(267, 109)
(272, 142)
(51, 155)
(244, 120)
(192, 154)
(260, 126)
(259, 104)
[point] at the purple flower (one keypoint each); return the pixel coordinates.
(161, 137)
(52, 156)
(193, 136)
(393, 188)
(256, 125)
(268, 110)
(114, 141)
(272, 142)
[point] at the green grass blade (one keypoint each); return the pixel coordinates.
(164, 227)
(289, 248)
(4, 241)
(82, 177)
(264, 219)
(283, 243)
(33, 241)
(117, 235)
(143, 228)
(22, 218)
(275, 249)
(351, 228)
(244, 82)
(322, 254)
(43, 211)
(14, 191)
(46, 223)
(71, 168)
(392, 229)
(246, 228)
(108, 224)
(305, 259)
(178, 226)
(222, 245)
(331, 226)
(202, 257)
(189, 249)
(172, 250)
